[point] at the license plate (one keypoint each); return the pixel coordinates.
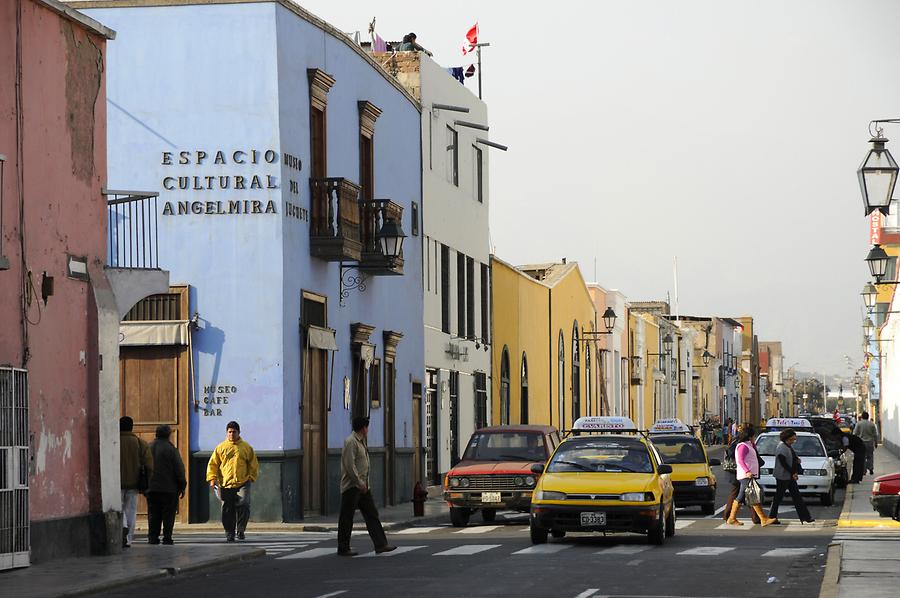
(593, 519)
(490, 497)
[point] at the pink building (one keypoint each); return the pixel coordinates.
(58, 314)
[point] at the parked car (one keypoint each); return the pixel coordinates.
(692, 476)
(495, 471)
(886, 495)
(817, 477)
(829, 431)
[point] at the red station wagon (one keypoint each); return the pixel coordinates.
(886, 495)
(495, 471)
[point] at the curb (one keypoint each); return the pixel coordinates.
(832, 578)
(100, 586)
(849, 491)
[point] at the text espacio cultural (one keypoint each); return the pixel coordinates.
(219, 182)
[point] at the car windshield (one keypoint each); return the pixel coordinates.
(601, 455)
(676, 449)
(506, 446)
(806, 446)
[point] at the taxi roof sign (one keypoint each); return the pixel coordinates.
(788, 422)
(669, 426)
(608, 423)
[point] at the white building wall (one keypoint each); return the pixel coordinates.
(453, 216)
(890, 384)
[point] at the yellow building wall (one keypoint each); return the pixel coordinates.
(642, 396)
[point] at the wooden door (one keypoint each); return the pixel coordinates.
(154, 390)
(417, 431)
(314, 431)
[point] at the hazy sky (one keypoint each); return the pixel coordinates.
(726, 133)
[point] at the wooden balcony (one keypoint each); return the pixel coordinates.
(373, 261)
(335, 220)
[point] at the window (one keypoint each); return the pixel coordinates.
(460, 295)
(319, 85)
(504, 387)
(427, 271)
(891, 272)
(523, 407)
(561, 380)
(576, 374)
(470, 298)
(375, 384)
(445, 288)
(485, 306)
(452, 157)
(481, 401)
(477, 173)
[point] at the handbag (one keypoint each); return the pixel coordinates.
(753, 493)
(730, 464)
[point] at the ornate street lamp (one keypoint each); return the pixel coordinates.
(869, 295)
(391, 236)
(667, 343)
(609, 319)
(706, 357)
(877, 260)
(868, 327)
(877, 175)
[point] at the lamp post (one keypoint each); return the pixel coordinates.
(878, 172)
(877, 260)
(869, 295)
(390, 240)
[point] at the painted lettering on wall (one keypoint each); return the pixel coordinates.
(187, 182)
(215, 398)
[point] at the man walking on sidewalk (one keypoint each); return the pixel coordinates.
(355, 492)
(166, 486)
(233, 468)
(135, 468)
(866, 431)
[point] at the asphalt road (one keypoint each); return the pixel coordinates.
(704, 559)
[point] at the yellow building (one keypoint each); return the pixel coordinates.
(544, 371)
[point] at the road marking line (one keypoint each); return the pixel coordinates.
(683, 523)
(634, 563)
(717, 513)
(466, 550)
(625, 549)
(544, 549)
(706, 551)
(778, 552)
(477, 530)
(417, 530)
(588, 593)
(332, 594)
(309, 554)
(399, 550)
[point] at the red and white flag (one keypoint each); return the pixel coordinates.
(471, 39)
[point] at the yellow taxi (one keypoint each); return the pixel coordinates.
(692, 476)
(605, 476)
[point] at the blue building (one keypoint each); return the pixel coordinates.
(288, 170)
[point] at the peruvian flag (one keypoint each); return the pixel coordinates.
(471, 39)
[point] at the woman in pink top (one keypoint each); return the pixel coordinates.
(747, 460)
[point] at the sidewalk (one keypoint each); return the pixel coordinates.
(142, 562)
(868, 566)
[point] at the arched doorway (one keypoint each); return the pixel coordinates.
(561, 379)
(504, 387)
(576, 374)
(523, 406)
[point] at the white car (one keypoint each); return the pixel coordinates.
(818, 468)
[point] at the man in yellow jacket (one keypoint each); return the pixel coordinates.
(233, 468)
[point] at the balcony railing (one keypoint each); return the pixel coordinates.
(335, 219)
(374, 213)
(133, 237)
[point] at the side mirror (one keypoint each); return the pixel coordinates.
(664, 469)
(537, 468)
(715, 462)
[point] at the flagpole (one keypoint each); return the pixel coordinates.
(478, 56)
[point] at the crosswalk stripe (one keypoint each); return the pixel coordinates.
(417, 530)
(482, 529)
(706, 551)
(544, 549)
(625, 549)
(748, 524)
(309, 554)
(780, 552)
(683, 523)
(467, 549)
(399, 550)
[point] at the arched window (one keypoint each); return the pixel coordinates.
(561, 375)
(504, 387)
(523, 407)
(588, 399)
(576, 374)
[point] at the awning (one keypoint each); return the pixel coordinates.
(321, 338)
(167, 332)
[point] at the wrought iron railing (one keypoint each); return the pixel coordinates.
(133, 238)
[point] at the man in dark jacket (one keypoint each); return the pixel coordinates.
(136, 468)
(166, 486)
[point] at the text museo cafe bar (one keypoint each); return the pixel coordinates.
(282, 170)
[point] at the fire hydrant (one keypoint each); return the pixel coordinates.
(420, 495)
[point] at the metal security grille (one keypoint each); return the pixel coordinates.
(14, 530)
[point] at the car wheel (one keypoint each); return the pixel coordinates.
(827, 499)
(488, 515)
(459, 517)
(558, 533)
(670, 523)
(656, 534)
(538, 535)
(709, 508)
